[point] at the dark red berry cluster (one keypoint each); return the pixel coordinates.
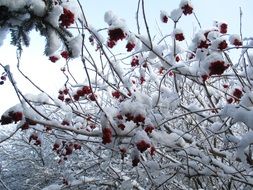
(142, 146)
(149, 129)
(11, 117)
(135, 161)
(64, 149)
(107, 135)
(237, 42)
(35, 138)
(3, 78)
(217, 68)
(179, 36)
(223, 28)
(130, 46)
(115, 35)
(165, 19)
(67, 18)
(222, 45)
(187, 9)
(135, 61)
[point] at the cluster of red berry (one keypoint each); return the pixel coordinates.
(115, 35)
(54, 58)
(85, 91)
(179, 36)
(3, 78)
(107, 135)
(217, 68)
(67, 18)
(12, 116)
(64, 149)
(187, 9)
(35, 137)
(237, 93)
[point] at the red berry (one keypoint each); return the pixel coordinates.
(223, 28)
(223, 45)
(177, 58)
(139, 119)
(80, 92)
(165, 19)
(135, 61)
(86, 90)
(65, 54)
(76, 97)
(17, 116)
(120, 117)
(142, 80)
(135, 161)
(179, 37)
(121, 126)
(142, 145)
(37, 142)
(56, 146)
(129, 117)
(237, 42)
(92, 97)
(3, 78)
(237, 93)
(130, 46)
(25, 126)
(116, 94)
(230, 100)
(203, 44)
(152, 151)
(53, 58)
(69, 149)
(217, 67)
(77, 146)
(107, 135)
(67, 18)
(67, 100)
(66, 91)
(116, 34)
(111, 43)
(187, 9)
(149, 129)
(61, 97)
(64, 122)
(225, 86)
(204, 77)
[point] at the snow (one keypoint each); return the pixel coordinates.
(98, 37)
(38, 7)
(110, 17)
(141, 135)
(246, 140)
(163, 14)
(176, 14)
(185, 2)
(3, 33)
(13, 5)
(234, 37)
(239, 114)
(75, 45)
(53, 187)
(170, 140)
(215, 43)
(54, 43)
(54, 15)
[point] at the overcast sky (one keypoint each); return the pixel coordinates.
(47, 74)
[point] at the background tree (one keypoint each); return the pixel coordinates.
(149, 112)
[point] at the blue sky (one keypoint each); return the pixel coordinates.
(47, 74)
